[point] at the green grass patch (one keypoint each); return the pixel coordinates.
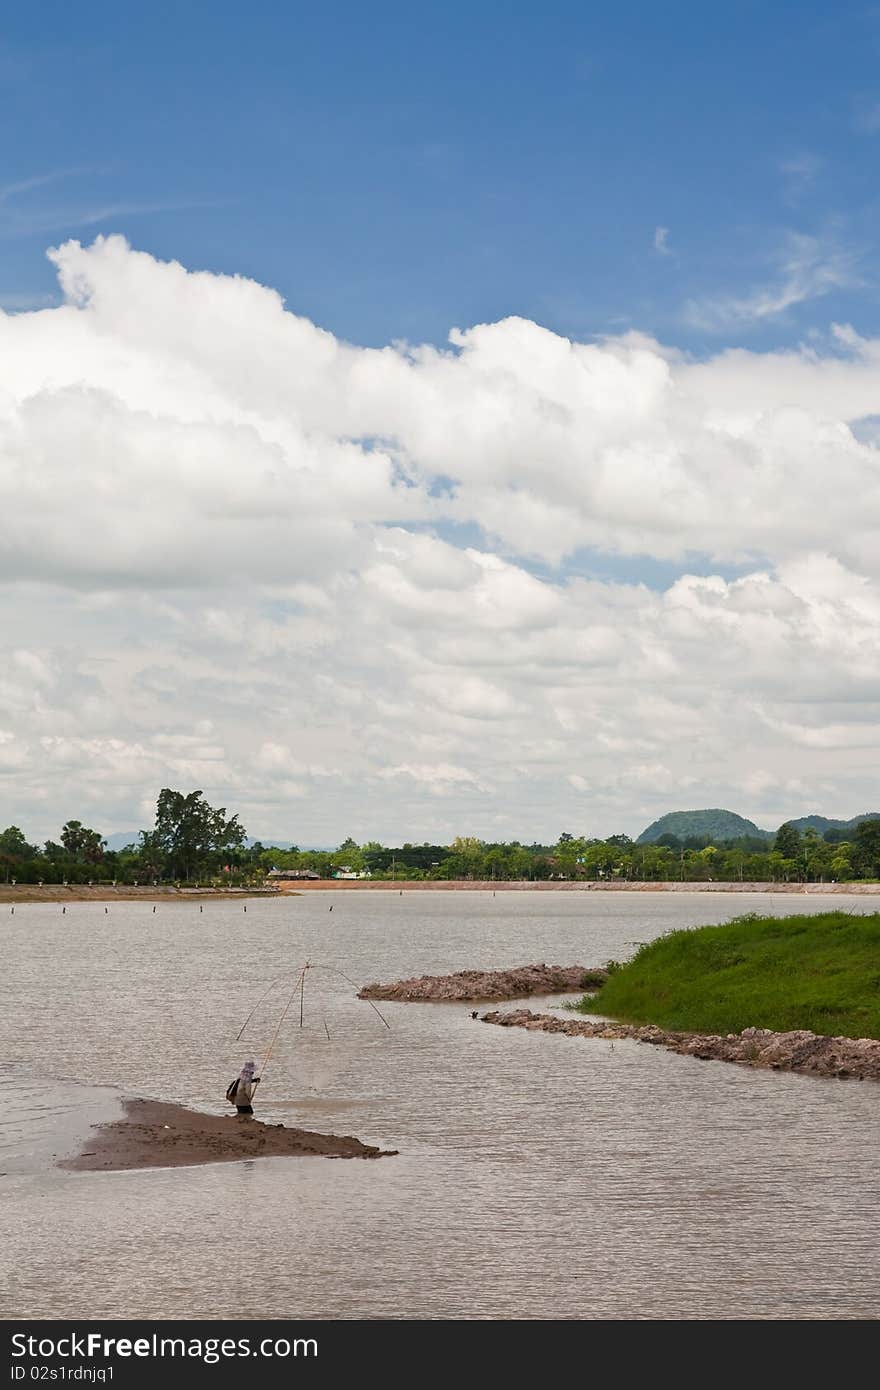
(819, 972)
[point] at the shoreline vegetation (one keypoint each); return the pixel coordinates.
(754, 991)
(158, 1134)
(817, 972)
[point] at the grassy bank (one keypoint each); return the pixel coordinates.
(819, 972)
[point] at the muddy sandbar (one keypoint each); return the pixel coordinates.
(157, 1134)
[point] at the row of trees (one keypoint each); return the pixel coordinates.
(192, 841)
(789, 856)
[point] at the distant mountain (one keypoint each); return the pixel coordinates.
(707, 825)
(717, 825)
(823, 823)
(120, 838)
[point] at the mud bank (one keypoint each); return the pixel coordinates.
(155, 1134)
(106, 893)
(517, 983)
(801, 1051)
(323, 885)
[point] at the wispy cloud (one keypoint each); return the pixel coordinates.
(661, 241)
(21, 219)
(14, 190)
(51, 220)
(809, 268)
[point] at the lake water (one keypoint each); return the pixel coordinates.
(539, 1176)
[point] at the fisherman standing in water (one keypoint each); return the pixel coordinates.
(241, 1092)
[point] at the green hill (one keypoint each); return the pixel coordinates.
(711, 825)
(823, 823)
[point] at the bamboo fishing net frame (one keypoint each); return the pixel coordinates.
(299, 988)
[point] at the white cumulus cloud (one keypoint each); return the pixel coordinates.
(347, 590)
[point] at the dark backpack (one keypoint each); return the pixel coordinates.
(231, 1090)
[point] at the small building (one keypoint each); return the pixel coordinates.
(291, 875)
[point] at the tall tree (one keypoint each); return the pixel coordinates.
(13, 843)
(191, 835)
(866, 853)
(810, 858)
(81, 843)
(14, 851)
(788, 841)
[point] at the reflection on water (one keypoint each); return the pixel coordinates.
(538, 1177)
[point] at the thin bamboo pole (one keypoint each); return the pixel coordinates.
(264, 995)
(297, 986)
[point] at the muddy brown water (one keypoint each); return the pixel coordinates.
(538, 1177)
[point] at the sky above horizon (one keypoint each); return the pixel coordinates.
(447, 421)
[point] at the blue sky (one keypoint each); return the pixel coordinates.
(395, 170)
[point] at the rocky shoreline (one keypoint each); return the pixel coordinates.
(470, 985)
(813, 1054)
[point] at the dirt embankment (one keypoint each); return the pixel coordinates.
(106, 893)
(155, 1134)
(615, 885)
(489, 984)
(801, 1051)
